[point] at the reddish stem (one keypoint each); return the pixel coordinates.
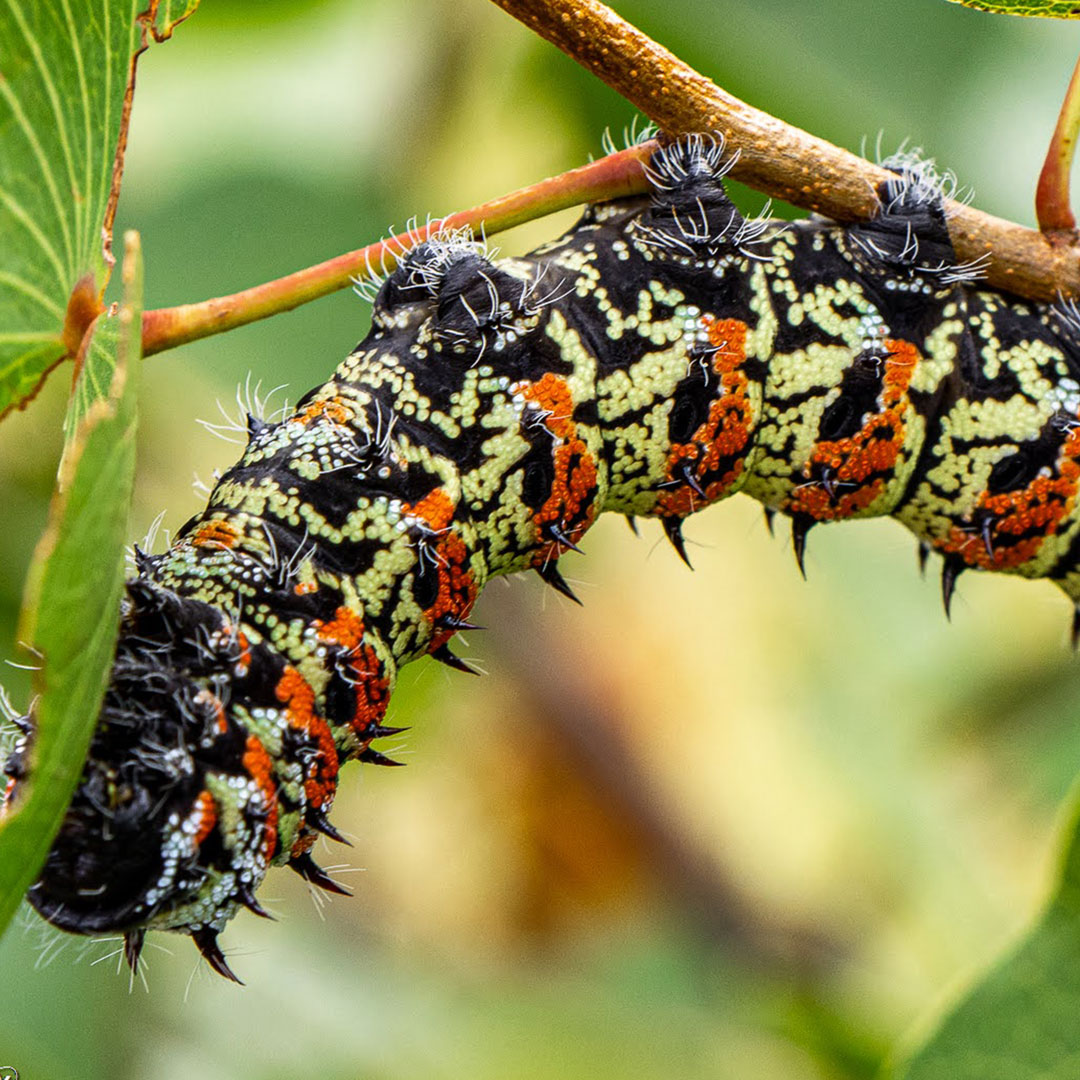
(1052, 199)
(774, 157)
(611, 177)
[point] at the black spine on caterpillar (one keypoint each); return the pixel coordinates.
(663, 354)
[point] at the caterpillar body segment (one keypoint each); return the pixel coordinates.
(662, 355)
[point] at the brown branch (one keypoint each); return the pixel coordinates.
(776, 158)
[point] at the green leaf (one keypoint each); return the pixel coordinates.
(1040, 9)
(166, 15)
(66, 78)
(1022, 1020)
(73, 594)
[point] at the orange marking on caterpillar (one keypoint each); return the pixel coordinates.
(206, 809)
(243, 663)
(333, 408)
(728, 336)
(372, 687)
(725, 434)
(372, 694)
(552, 394)
(215, 533)
(1040, 507)
(457, 587)
(435, 509)
(260, 767)
(863, 461)
(345, 629)
(294, 692)
(570, 503)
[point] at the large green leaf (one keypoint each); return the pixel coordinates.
(66, 76)
(73, 594)
(1022, 1020)
(1045, 9)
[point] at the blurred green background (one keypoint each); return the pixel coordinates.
(721, 824)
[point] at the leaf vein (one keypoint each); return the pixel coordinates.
(20, 215)
(54, 102)
(43, 164)
(20, 284)
(80, 67)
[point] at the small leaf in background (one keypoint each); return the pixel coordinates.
(73, 593)
(66, 76)
(1023, 1018)
(1040, 9)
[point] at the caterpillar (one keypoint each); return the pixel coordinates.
(662, 355)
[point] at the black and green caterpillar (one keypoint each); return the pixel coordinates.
(663, 354)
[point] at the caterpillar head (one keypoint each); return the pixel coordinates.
(174, 819)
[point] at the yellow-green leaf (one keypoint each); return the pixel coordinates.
(73, 594)
(66, 76)
(1039, 9)
(1021, 1021)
